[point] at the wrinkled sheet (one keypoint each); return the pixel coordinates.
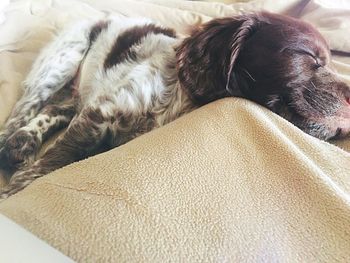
(230, 181)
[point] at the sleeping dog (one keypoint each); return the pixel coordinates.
(113, 80)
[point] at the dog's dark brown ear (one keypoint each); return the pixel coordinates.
(235, 82)
(207, 59)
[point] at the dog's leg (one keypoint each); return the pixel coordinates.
(21, 147)
(53, 69)
(83, 137)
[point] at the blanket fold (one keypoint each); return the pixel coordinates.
(216, 190)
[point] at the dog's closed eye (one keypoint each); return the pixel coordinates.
(270, 57)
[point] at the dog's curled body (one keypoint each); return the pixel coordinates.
(110, 81)
(118, 80)
(128, 79)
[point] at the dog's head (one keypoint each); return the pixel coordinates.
(277, 61)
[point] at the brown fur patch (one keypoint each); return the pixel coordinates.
(97, 29)
(95, 115)
(133, 36)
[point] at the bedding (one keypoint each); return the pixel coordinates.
(230, 181)
(14, 238)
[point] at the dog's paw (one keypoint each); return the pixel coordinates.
(20, 149)
(9, 190)
(4, 193)
(18, 182)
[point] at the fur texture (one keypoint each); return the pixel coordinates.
(111, 81)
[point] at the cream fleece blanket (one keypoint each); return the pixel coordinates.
(228, 182)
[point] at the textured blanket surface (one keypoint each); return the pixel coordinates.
(228, 182)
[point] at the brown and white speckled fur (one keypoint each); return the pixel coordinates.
(120, 91)
(110, 81)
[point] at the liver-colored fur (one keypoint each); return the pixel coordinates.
(132, 76)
